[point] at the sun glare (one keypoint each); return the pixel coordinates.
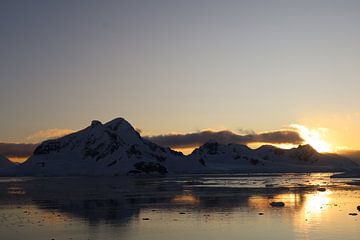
(314, 203)
(314, 137)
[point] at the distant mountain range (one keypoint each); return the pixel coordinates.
(116, 148)
(240, 158)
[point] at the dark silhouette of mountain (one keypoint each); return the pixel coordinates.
(113, 148)
(116, 148)
(5, 163)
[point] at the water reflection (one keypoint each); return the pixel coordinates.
(293, 200)
(199, 206)
(186, 198)
(316, 202)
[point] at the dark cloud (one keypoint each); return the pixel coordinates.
(199, 138)
(16, 150)
(183, 140)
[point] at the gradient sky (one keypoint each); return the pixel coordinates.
(181, 66)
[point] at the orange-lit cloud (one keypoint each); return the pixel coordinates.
(315, 137)
(342, 129)
(195, 139)
(47, 134)
(18, 152)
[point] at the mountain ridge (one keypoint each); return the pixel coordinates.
(267, 158)
(116, 148)
(113, 148)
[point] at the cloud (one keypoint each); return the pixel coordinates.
(186, 140)
(23, 150)
(16, 150)
(225, 137)
(314, 136)
(47, 134)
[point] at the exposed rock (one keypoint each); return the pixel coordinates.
(277, 204)
(95, 123)
(150, 167)
(111, 149)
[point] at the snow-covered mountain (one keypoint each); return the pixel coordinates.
(114, 148)
(5, 163)
(240, 158)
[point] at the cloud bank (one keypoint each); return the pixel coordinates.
(47, 134)
(16, 150)
(186, 140)
(23, 150)
(198, 138)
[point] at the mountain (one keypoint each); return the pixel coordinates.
(116, 148)
(113, 148)
(352, 154)
(240, 158)
(353, 173)
(5, 163)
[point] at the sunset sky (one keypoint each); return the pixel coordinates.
(182, 67)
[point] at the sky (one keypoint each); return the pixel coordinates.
(181, 67)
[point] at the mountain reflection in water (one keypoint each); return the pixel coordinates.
(194, 207)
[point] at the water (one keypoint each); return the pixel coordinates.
(182, 207)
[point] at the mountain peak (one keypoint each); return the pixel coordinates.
(267, 147)
(116, 148)
(117, 120)
(116, 123)
(95, 123)
(306, 148)
(111, 148)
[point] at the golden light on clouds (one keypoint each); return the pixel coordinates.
(186, 151)
(315, 137)
(47, 134)
(343, 129)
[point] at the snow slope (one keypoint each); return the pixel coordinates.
(114, 148)
(5, 163)
(240, 158)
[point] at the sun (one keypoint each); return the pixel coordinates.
(314, 137)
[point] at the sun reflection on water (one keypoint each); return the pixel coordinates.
(185, 199)
(315, 203)
(290, 200)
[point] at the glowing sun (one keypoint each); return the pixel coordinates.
(314, 137)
